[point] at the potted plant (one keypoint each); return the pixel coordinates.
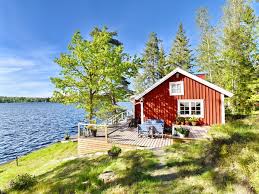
(92, 128)
(188, 121)
(114, 151)
(194, 121)
(182, 132)
(67, 136)
(180, 120)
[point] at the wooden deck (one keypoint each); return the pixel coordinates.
(130, 137)
(127, 138)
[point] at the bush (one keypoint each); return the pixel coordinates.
(22, 182)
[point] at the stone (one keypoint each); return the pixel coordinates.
(107, 176)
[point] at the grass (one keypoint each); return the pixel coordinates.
(228, 163)
(38, 162)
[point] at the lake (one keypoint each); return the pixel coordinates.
(25, 127)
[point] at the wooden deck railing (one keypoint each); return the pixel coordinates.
(84, 129)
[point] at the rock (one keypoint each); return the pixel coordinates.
(107, 176)
(85, 182)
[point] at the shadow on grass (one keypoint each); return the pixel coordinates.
(211, 157)
(82, 174)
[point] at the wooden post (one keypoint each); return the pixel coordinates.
(17, 164)
(106, 133)
(78, 127)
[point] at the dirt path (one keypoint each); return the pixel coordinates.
(162, 171)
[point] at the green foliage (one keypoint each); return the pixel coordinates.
(207, 55)
(180, 119)
(5, 99)
(231, 58)
(153, 64)
(180, 55)
(115, 150)
(193, 119)
(183, 131)
(238, 54)
(93, 73)
(23, 182)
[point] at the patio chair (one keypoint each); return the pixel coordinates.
(158, 127)
(144, 129)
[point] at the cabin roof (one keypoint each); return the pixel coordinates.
(187, 74)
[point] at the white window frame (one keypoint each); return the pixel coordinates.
(174, 83)
(190, 101)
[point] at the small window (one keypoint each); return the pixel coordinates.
(176, 88)
(190, 108)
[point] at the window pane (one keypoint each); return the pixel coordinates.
(186, 112)
(198, 112)
(176, 88)
(181, 112)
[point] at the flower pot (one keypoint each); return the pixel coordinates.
(94, 132)
(181, 135)
(194, 123)
(177, 123)
(113, 154)
(188, 123)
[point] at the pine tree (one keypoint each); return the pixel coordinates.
(180, 55)
(237, 53)
(162, 63)
(148, 73)
(207, 56)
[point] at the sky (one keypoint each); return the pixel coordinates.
(34, 32)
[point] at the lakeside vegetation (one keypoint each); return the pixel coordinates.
(227, 163)
(6, 99)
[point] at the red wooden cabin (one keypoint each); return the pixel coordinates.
(181, 94)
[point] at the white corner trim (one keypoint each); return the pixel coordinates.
(189, 101)
(176, 94)
(194, 77)
(222, 109)
(142, 111)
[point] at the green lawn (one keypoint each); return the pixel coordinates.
(228, 163)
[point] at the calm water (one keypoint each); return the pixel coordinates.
(25, 127)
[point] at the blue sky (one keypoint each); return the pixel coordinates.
(34, 32)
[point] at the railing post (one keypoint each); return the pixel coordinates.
(78, 127)
(106, 132)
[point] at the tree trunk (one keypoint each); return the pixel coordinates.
(91, 95)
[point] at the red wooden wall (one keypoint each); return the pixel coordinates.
(158, 104)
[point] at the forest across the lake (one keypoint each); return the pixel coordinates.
(6, 99)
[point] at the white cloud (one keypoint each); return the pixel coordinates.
(5, 70)
(26, 73)
(15, 62)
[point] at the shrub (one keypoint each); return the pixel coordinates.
(23, 182)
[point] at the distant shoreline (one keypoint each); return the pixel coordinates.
(5, 99)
